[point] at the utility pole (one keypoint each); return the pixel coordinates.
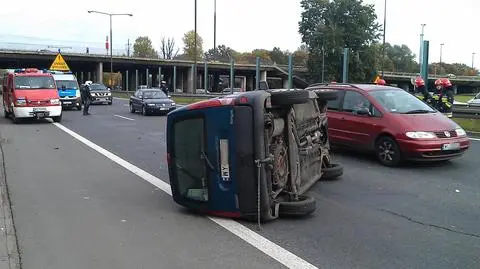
(195, 52)
(214, 29)
(441, 52)
(473, 60)
(384, 30)
(420, 58)
(128, 47)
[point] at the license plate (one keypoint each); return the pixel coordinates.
(451, 146)
(40, 115)
(163, 108)
(35, 109)
(67, 103)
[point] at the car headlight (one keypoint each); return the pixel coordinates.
(55, 101)
(173, 103)
(460, 132)
(77, 94)
(20, 102)
(150, 104)
(109, 93)
(420, 135)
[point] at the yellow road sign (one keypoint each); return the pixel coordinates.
(59, 64)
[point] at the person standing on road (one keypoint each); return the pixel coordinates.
(163, 87)
(86, 98)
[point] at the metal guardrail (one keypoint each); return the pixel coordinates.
(406, 74)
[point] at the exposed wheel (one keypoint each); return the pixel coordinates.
(333, 171)
(110, 103)
(387, 151)
(57, 118)
(289, 97)
(144, 111)
(132, 109)
(326, 94)
(305, 205)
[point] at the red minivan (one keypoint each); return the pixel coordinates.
(30, 93)
(392, 123)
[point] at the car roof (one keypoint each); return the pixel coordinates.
(151, 90)
(361, 87)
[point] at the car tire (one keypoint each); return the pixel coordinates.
(57, 118)
(305, 205)
(289, 97)
(132, 109)
(79, 108)
(332, 172)
(144, 111)
(110, 103)
(326, 95)
(387, 151)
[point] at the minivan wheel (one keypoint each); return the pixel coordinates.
(387, 151)
(305, 205)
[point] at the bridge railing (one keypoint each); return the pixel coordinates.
(411, 75)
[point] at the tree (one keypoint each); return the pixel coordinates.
(278, 56)
(300, 56)
(143, 48)
(221, 54)
(327, 27)
(168, 49)
(189, 45)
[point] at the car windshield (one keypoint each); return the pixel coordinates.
(67, 84)
(399, 101)
(477, 96)
(98, 87)
(34, 82)
(153, 95)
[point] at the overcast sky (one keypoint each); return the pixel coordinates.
(243, 25)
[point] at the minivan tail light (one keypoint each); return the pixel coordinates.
(212, 103)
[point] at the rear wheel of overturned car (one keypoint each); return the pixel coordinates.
(387, 151)
(304, 206)
(332, 171)
(288, 97)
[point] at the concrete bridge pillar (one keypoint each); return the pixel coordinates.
(455, 89)
(285, 83)
(81, 78)
(136, 79)
(99, 72)
(263, 75)
(147, 78)
(89, 76)
(125, 81)
(250, 83)
(190, 78)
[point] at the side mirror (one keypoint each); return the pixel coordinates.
(364, 112)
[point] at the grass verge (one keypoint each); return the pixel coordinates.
(463, 98)
(179, 100)
(471, 125)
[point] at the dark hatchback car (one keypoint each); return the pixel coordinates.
(150, 101)
(392, 123)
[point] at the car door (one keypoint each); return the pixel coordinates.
(359, 130)
(334, 123)
(137, 100)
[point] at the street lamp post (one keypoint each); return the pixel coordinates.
(473, 60)
(384, 30)
(441, 52)
(111, 33)
(214, 29)
(420, 58)
(195, 53)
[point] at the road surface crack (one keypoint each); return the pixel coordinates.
(429, 224)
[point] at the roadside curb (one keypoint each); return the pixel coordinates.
(9, 254)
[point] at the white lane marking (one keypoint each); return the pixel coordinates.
(475, 139)
(123, 117)
(266, 246)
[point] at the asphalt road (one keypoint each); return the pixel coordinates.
(74, 208)
(417, 216)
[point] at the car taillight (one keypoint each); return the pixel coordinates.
(212, 103)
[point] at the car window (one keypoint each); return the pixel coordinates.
(335, 104)
(399, 101)
(154, 95)
(138, 93)
(354, 101)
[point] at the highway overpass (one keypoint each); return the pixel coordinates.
(135, 71)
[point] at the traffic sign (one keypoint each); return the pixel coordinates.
(59, 64)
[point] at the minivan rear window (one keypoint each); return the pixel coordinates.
(34, 82)
(188, 149)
